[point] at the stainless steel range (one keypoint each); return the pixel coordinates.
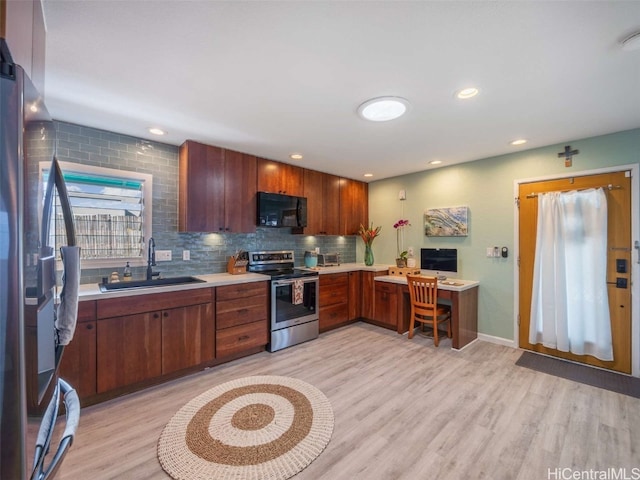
(294, 298)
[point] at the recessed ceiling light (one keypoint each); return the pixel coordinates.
(435, 162)
(295, 156)
(468, 92)
(382, 109)
(519, 141)
(632, 42)
(368, 174)
(33, 108)
(157, 131)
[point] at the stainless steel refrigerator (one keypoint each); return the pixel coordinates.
(29, 286)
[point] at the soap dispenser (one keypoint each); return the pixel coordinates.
(127, 273)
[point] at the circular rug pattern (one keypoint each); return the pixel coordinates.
(253, 428)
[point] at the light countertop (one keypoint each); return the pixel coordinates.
(91, 291)
(349, 267)
(452, 284)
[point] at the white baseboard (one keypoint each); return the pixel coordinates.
(498, 340)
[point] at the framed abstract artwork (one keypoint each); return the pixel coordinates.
(446, 222)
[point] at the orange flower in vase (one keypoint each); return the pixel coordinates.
(368, 235)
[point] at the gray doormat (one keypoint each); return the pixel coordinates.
(615, 382)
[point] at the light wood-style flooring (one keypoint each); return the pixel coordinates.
(403, 410)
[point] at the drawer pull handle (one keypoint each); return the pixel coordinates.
(243, 311)
(243, 337)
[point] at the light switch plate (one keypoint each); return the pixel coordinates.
(186, 255)
(163, 255)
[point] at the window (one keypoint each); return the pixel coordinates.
(111, 213)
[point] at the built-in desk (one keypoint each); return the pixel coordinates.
(463, 295)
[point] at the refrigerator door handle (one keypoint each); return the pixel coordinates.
(72, 406)
(65, 204)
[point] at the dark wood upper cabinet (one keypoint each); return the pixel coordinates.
(201, 188)
(354, 206)
(217, 192)
(278, 177)
(217, 189)
(323, 203)
(240, 192)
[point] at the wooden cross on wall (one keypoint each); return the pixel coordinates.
(568, 154)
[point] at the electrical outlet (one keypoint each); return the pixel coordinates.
(163, 255)
(186, 255)
(489, 251)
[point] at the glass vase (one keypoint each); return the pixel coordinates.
(400, 240)
(368, 255)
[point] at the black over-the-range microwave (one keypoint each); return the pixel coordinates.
(277, 210)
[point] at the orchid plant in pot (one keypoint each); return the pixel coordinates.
(401, 259)
(368, 235)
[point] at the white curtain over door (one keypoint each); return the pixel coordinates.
(570, 305)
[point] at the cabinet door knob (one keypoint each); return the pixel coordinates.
(165, 314)
(90, 326)
(155, 315)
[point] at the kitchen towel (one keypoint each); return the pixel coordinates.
(298, 292)
(67, 313)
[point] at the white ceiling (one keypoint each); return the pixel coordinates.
(273, 78)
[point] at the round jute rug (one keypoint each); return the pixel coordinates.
(253, 428)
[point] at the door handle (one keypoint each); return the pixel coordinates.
(619, 283)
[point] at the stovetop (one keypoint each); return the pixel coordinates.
(288, 273)
(277, 264)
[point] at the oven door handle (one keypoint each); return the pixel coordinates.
(290, 281)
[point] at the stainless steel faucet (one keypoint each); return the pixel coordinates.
(151, 258)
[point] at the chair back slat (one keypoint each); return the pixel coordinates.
(423, 292)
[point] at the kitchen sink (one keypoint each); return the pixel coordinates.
(156, 282)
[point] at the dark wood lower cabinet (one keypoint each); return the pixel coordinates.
(187, 338)
(242, 318)
(129, 350)
(334, 300)
(78, 364)
(230, 341)
(386, 305)
(355, 295)
(368, 293)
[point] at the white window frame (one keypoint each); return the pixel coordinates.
(147, 210)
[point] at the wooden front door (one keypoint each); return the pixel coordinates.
(618, 248)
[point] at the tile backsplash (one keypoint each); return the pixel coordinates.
(209, 251)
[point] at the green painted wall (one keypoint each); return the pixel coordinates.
(486, 186)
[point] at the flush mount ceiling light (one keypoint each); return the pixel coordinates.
(466, 93)
(435, 162)
(295, 156)
(632, 42)
(382, 109)
(368, 174)
(519, 141)
(157, 131)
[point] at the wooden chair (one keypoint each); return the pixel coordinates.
(423, 292)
